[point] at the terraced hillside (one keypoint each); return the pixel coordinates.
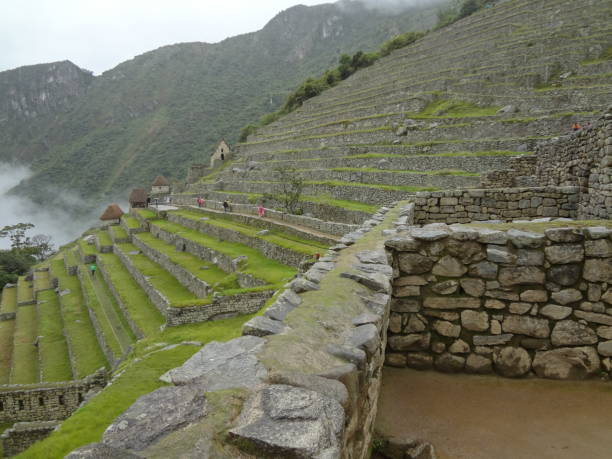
(436, 114)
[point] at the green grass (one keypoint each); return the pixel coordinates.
(395, 171)
(7, 328)
(116, 336)
(408, 189)
(104, 238)
(117, 232)
(25, 354)
(604, 56)
(71, 258)
(212, 275)
(270, 271)
(147, 214)
(144, 314)
(442, 155)
(88, 357)
(52, 348)
(140, 377)
(131, 222)
(41, 280)
(87, 249)
(276, 237)
(347, 205)
(8, 303)
(453, 109)
(25, 291)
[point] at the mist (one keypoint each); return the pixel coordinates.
(57, 222)
(393, 6)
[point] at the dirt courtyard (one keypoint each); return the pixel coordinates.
(490, 417)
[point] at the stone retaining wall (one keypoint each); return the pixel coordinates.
(505, 204)
(515, 303)
(50, 402)
(281, 254)
(220, 308)
(24, 434)
(195, 285)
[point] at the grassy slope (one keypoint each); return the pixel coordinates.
(53, 350)
(6, 349)
(8, 303)
(25, 354)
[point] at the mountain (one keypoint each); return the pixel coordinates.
(162, 110)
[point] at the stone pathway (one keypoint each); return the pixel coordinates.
(478, 417)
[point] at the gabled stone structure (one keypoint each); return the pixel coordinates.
(221, 154)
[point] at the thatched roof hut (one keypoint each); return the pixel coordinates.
(160, 180)
(112, 212)
(138, 197)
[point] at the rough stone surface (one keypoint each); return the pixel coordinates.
(449, 266)
(475, 320)
(526, 325)
(263, 326)
(414, 263)
(450, 363)
(478, 364)
(564, 275)
(525, 239)
(566, 363)
(520, 275)
(100, 451)
(564, 254)
(512, 361)
(555, 312)
(567, 296)
(571, 333)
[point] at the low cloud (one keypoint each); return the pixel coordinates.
(393, 6)
(56, 221)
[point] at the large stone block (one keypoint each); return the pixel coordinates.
(512, 362)
(571, 333)
(451, 302)
(414, 263)
(520, 275)
(598, 270)
(526, 325)
(475, 320)
(449, 266)
(564, 254)
(567, 363)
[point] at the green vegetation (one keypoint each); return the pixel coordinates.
(456, 11)
(347, 205)
(7, 328)
(8, 303)
(147, 214)
(70, 257)
(41, 281)
(117, 232)
(52, 347)
(25, 290)
(88, 356)
(443, 108)
(104, 238)
(604, 56)
(408, 189)
(25, 353)
(407, 171)
(130, 221)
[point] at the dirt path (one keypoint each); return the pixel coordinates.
(480, 417)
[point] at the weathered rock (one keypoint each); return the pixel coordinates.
(598, 232)
(429, 234)
(555, 312)
(535, 343)
(285, 303)
(566, 363)
(511, 361)
(302, 284)
(445, 288)
(475, 320)
(412, 342)
(602, 319)
(596, 270)
(484, 269)
(478, 364)
(419, 360)
(526, 325)
(220, 366)
(564, 234)
(378, 282)
(607, 297)
(459, 347)
(263, 326)
(605, 348)
(485, 340)
(444, 315)
(449, 363)
(604, 332)
(500, 254)
(100, 451)
(564, 254)
(404, 243)
(365, 337)
(494, 304)
(570, 333)
(489, 236)
(366, 318)
(154, 416)
(534, 296)
(564, 275)
(567, 296)
(449, 266)
(415, 324)
(445, 328)
(473, 287)
(529, 257)
(349, 353)
(403, 305)
(520, 275)
(451, 303)
(397, 360)
(329, 387)
(466, 251)
(414, 263)
(285, 421)
(525, 239)
(409, 280)
(600, 248)
(520, 308)
(372, 257)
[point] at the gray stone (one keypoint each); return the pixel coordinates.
(567, 363)
(486, 340)
(530, 257)
(366, 318)
(302, 284)
(500, 254)
(525, 239)
(349, 353)
(451, 303)
(285, 421)
(526, 325)
(406, 291)
(600, 248)
(419, 360)
(372, 257)
(393, 359)
(366, 337)
(603, 319)
(220, 366)
(462, 233)
(329, 387)
(285, 303)
(154, 416)
(512, 362)
(502, 295)
(564, 254)
(473, 287)
(263, 232)
(444, 315)
(449, 266)
(484, 269)
(412, 342)
(605, 348)
(552, 311)
(567, 296)
(535, 343)
(604, 332)
(409, 280)
(445, 288)
(534, 296)
(598, 270)
(459, 347)
(429, 234)
(449, 363)
(403, 305)
(403, 243)
(489, 236)
(564, 234)
(466, 251)
(564, 275)
(263, 326)
(570, 333)
(475, 320)
(496, 327)
(378, 282)
(445, 328)
(607, 297)
(520, 308)
(598, 232)
(520, 275)
(414, 263)
(415, 324)
(478, 364)
(100, 451)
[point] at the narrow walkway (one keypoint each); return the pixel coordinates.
(303, 229)
(485, 417)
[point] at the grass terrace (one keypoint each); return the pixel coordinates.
(407, 189)
(104, 238)
(25, 290)
(130, 222)
(117, 232)
(393, 171)
(270, 271)
(71, 258)
(25, 355)
(86, 248)
(8, 302)
(147, 214)
(443, 155)
(41, 280)
(52, 347)
(88, 356)
(7, 327)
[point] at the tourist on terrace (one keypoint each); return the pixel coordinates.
(200, 202)
(92, 269)
(225, 206)
(576, 127)
(261, 211)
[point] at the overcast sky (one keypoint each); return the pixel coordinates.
(99, 34)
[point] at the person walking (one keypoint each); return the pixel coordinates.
(92, 269)
(261, 211)
(576, 127)
(225, 206)
(200, 202)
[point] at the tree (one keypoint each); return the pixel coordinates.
(469, 7)
(291, 187)
(16, 234)
(42, 246)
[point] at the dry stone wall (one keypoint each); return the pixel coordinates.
(515, 303)
(23, 434)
